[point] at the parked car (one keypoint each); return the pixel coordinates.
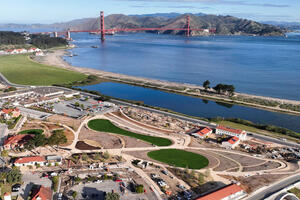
(16, 187)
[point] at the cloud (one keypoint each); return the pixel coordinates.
(230, 2)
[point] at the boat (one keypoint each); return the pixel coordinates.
(94, 46)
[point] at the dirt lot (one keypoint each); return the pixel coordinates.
(72, 123)
(133, 142)
(70, 137)
(106, 140)
(257, 181)
(265, 166)
(225, 163)
(244, 160)
(83, 146)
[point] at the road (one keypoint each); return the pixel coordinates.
(266, 192)
(6, 82)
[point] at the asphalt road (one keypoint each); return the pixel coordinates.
(274, 188)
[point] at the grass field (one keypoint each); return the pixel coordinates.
(19, 69)
(179, 158)
(104, 125)
(32, 131)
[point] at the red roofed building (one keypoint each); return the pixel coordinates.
(17, 141)
(41, 193)
(30, 161)
(10, 113)
(231, 143)
(223, 130)
(229, 192)
(202, 133)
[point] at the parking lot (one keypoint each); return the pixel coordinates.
(78, 108)
(96, 191)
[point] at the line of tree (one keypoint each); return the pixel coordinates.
(11, 38)
(46, 42)
(37, 40)
(220, 88)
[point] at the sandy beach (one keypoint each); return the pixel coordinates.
(55, 59)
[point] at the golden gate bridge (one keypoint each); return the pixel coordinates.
(103, 32)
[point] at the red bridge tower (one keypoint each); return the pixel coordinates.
(188, 26)
(102, 26)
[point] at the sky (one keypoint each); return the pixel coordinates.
(50, 11)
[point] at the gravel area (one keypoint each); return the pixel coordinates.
(71, 122)
(244, 160)
(107, 141)
(266, 166)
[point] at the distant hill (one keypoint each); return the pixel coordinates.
(225, 25)
(286, 25)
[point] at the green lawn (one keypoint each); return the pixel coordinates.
(20, 69)
(179, 158)
(295, 191)
(103, 125)
(32, 131)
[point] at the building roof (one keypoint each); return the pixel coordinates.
(233, 140)
(42, 193)
(7, 111)
(18, 138)
(204, 131)
(237, 131)
(30, 159)
(222, 193)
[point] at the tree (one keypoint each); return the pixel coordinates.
(74, 194)
(106, 155)
(4, 153)
(139, 189)
(58, 137)
(14, 176)
(76, 104)
(206, 84)
(112, 196)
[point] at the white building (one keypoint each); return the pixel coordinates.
(231, 143)
(202, 133)
(223, 130)
(30, 161)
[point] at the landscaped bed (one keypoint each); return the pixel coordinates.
(179, 158)
(32, 131)
(104, 125)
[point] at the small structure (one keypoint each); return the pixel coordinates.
(52, 160)
(229, 192)
(40, 192)
(231, 143)
(223, 130)
(39, 53)
(7, 196)
(10, 113)
(30, 161)
(202, 133)
(17, 141)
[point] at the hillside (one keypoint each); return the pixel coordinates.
(224, 25)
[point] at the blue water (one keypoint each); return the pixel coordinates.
(268, 66)
(194, 106)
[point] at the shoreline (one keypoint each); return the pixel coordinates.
(55, 59)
